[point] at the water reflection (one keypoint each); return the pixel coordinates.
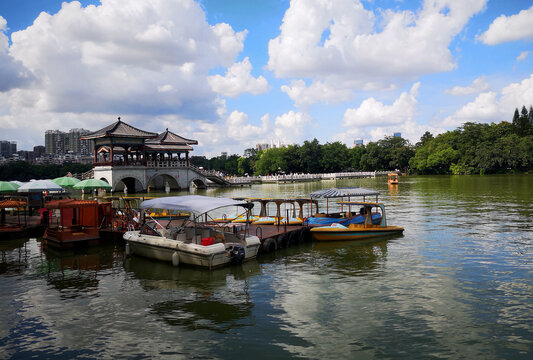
(14, 256)
(351, 258)
(74, 272)
(458, 284)
(216, 300)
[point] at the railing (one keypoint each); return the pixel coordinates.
(303, 177)
(166, 164)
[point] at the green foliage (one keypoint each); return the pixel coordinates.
(24, 171)
(478, 149)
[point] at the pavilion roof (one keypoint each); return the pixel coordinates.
(120, 129)
(157, 147)
(169, 138)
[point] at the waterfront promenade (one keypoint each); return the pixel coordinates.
(290, 178)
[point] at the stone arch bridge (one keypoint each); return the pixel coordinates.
(162, 177)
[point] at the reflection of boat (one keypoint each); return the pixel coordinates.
(392, 178)
(365, 230)
(204, 301)
(159, 274)
(192, 242)
(345, 216)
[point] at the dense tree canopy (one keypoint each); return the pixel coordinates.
(479, 148)
(24, 171)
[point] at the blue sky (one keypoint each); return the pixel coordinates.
(232, 74)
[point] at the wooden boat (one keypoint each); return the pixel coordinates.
(366, 230)
(192, 241)
(76, 221)
(392, 179)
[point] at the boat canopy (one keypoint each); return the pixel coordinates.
(342, 192)
(197, 204)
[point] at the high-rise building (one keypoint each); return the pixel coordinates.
(54, 142)
(78, 146)
(8, 148)
(57, 142)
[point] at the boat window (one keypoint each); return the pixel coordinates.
(147, 229)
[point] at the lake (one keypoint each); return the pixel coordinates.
(457, 284)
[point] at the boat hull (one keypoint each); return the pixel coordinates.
(163, 249)
(333, 234)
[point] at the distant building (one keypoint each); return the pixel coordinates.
(272, 145)
(57, 142)
(8, 148)
(224, 154)
(38, 151)
(397, 134)
(358, 143)
(260, 147)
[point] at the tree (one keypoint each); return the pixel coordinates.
(334, 157)
(424, 139)
(310, 154)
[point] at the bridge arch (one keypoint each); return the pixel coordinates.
(198, 182)
(160, 181)
(131, 183)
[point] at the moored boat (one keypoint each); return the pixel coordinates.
(368, 229)
(392, 178)
(345, 216)
(192, 241)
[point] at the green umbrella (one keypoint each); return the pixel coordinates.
(6, 186)
(92, 184)
(66, 181)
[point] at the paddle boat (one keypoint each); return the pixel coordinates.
(366, 230)
(346, 215)
(194, 241)
(392, 179)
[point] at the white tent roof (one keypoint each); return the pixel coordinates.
(191, 203)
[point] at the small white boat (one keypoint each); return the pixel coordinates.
(191, 241)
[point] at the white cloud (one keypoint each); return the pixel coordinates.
(340, 42)
(238, 80)
(373, 113)
(304, 95)
(291, 127)
(12, 73)
(477, 86)
(523, 55)
(126, 57)
(509, 28)
(494, 107)
(239, 129)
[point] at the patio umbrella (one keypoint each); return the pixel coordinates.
(66, 181)
(19, 183)
(6, 186)
(92, 184)
(39, 186)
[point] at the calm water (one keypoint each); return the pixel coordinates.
(457, 284)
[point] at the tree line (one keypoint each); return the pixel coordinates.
(313, 157)
(473, 148)
(25, 171)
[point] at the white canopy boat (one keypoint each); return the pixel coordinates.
(192, 241)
